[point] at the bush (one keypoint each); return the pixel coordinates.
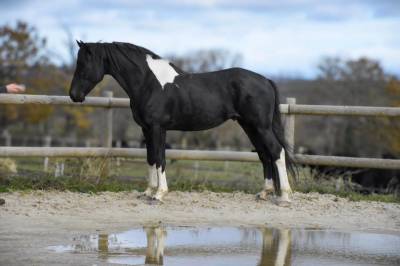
(7, 166)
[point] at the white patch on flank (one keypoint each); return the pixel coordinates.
(162, 180)
(153, 178)
(283, 177)
(163, 71)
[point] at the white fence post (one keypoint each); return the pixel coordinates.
(7, 138)
(46, 143)
(196, 169)
(118, 144)
(289, 125)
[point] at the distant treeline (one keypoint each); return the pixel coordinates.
(24, 58)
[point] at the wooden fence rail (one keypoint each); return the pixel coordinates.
(290, 110)
(64, 152)
(295, 109)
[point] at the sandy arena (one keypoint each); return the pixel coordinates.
(32, 221)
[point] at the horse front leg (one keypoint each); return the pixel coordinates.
(152, 181)
(158, 136)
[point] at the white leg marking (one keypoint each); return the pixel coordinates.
(283, 177)
(153, 178)
(152, 181)
(162, 185)
(268, 184)
(268, 189)
(162, 179)
(162, 69)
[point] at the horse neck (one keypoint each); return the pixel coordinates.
(125, 73)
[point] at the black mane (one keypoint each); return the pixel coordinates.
(130, 51)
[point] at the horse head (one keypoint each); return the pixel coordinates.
(89, 71)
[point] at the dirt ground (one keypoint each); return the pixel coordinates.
(32, 221)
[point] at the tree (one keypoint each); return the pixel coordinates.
(25, 59)
(21, 52)
(206, 60)
(354, 82)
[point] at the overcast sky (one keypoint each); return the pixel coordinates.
(274, 37)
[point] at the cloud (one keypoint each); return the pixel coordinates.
(289, 36)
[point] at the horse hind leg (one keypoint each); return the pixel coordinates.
(268, 188)
(285, 190)
(278, 165)
(264, 157)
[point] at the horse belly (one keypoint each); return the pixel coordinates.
(200, 116)
(201, 120)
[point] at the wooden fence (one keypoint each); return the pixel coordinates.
(290, 110)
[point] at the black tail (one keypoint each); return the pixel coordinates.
(279, 131)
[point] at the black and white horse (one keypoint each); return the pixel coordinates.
(163, 97)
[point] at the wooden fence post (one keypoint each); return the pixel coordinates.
(108, 133)
(46, 143)
(109, 123)
(289, 125)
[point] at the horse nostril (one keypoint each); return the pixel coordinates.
(75, 97)
(72, 96)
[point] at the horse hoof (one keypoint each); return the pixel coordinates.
(153, 201)
(283, 201)
(263, 195)
(148, 193)
(143, 196)
(160, 195)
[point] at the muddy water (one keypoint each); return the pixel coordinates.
(237, 246)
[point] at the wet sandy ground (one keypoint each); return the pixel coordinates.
(30, 222)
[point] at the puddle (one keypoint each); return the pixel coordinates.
(237, 246)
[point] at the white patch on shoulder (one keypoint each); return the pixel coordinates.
(161, 68)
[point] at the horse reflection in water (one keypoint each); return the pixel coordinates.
(155, 245)
(155, 237)
(276, 249)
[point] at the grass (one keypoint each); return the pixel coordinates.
(95, 175)
(338, 184)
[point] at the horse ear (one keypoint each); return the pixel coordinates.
(83, 46)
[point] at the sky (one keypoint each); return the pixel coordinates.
(274, 37)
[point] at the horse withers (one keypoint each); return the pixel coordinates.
(164, 97)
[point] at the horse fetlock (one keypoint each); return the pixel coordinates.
(287, 191)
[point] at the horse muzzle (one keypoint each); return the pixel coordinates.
(77, 97)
